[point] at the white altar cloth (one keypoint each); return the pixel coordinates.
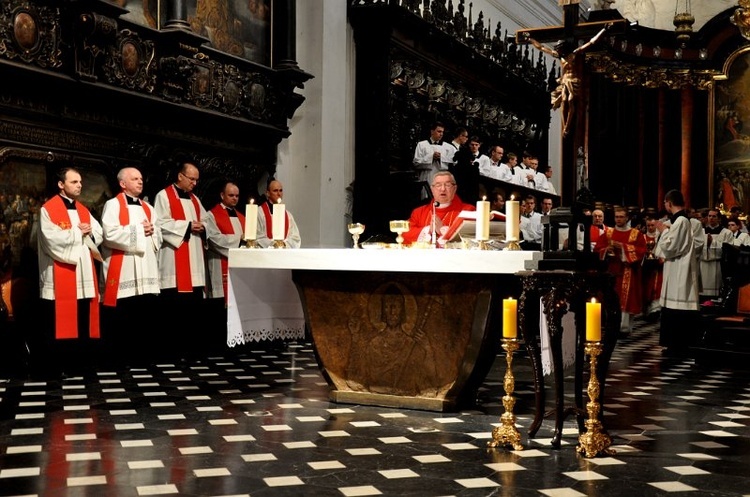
(263, 304)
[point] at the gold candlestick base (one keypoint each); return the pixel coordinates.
(507, 433)
(279, 244)
(483, 245)
(512, 245)
(594, 442)
(251, 244)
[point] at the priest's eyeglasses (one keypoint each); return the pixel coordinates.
(439, 186)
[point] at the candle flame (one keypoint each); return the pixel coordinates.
(484, 197)
(252, 200)
(512, 197)
(593, 300)
(278, 201)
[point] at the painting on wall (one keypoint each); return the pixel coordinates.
(237, 27)
(731, 172)
(25, 184)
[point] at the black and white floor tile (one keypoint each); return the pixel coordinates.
(258, 422)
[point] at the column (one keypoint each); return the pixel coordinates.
(686, 140)
(176, 15)
(283, 29)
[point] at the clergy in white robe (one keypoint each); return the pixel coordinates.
(180, 217)
(710, 261)
(679, 292)
(274, 195)
(137, 243)
(68, 239)
(130, 286)
(182, 271)
(224, 230)
(433, 155)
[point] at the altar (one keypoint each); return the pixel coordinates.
(400, 328)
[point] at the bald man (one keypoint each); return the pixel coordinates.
(131, 244)
(180, 216)
(274, 195)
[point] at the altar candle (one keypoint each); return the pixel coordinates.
(512, 219)
(593, 321)
(251, 220)
(278, 221)
(510, 318)
(483, 220)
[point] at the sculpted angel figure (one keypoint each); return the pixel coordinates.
(568, 84)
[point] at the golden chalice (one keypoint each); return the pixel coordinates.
(400, 227)
(356, 229)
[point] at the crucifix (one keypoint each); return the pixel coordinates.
(568, 96)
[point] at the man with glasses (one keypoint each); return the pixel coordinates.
(710, 261)
(180, 216)
(438, 215)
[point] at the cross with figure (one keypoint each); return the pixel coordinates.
(566, 50)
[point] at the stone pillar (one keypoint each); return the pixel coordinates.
(687, 144)
(176, 15)
(283, 36)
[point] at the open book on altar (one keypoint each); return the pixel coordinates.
(465, 225)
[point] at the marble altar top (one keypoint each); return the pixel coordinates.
(404, 260)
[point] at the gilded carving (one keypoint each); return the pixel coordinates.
(130, 62)
(25, 31)
(649, 76)
(30, 33)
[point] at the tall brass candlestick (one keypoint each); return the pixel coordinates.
(507, 433)
(594, 442)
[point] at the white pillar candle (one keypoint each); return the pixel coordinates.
(251, 221)
(483, 220)
(512, 220)
(278, 221)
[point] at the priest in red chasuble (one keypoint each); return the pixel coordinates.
(445, 205)
(623, 248)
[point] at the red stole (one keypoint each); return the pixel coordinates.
(182, 254)
(269, 222)
(224, 223)
(115, 262)
(64, 275)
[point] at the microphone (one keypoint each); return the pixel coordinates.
(434, 223)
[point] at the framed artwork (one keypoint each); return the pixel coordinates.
(26, 182)
(731, 165)
(237, 27)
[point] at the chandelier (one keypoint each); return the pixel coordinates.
(683, 21)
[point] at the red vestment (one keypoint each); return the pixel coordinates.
(652, 275)
(625, 264)
(422, 216)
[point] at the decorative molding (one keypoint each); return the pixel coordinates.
(650, 76)
(30, 33)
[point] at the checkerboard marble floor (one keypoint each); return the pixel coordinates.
(259, 423)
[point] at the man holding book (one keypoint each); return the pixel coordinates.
(431, 221)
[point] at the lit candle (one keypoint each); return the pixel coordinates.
(512, 220)
(510, 314)
(593, 321)
(483, 220)
(251, 220)
(278, 221)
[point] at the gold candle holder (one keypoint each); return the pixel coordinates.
(483, 245)
(251, 244)
(595, 441)
(279, 244)
(507, 433)
(512, 244)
